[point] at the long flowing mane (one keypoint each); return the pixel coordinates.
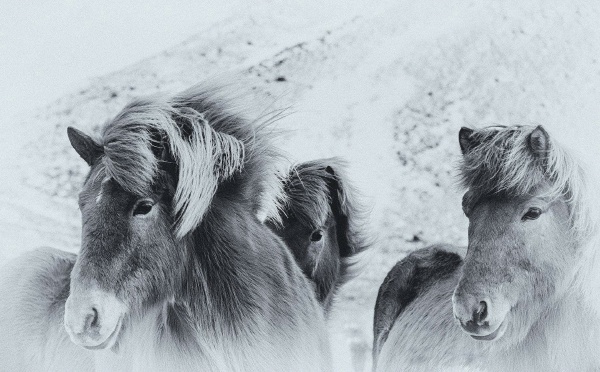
(207, 138)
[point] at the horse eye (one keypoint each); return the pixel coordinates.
(532, 214)
(143, 207)
(316, 236)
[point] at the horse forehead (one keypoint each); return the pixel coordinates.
(101, 190)
(496, 209)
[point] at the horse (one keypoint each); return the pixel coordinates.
(322, 223)
(317, 206)
(175, 270)
(521, 297)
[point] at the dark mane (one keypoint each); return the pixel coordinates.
(208, 139)
(315, 188)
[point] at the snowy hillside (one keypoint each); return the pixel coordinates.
(385, 86)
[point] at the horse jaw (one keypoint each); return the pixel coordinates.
(94, 318)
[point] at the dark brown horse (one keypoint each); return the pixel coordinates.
(322, 223)
(519, 299)
(175, 272)
(317, 201)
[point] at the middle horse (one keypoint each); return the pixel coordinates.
(322, 223)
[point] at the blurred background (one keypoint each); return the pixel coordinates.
(385, 85)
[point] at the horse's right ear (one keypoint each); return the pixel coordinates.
(86, 147)
(539, 141)
(465, 140)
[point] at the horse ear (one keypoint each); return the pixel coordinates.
(467, 202)
(340, 192)
(465, 140)
(86, 147)
(539, 141)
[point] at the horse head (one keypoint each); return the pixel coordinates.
(322, 223)
(522, 205)
(153, 174)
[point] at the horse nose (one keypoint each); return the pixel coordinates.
(89, 327)
(472, 314)
(93, 318)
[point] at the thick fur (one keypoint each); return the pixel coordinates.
(34, 288)
(205, 137)
(407, 280)
(242, 303)
(553, 323)
(208, 286)
(500, 160)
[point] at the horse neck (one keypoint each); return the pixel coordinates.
(223, 258)
(574, 312)
(567, 333)
(586, 276)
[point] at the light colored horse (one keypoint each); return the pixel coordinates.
(176, 272)
(520, 299)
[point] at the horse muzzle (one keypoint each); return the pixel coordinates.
(94, 318)
(481, 318)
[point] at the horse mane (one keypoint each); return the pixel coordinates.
(501, 161)
(313, 189)
(208, 138)
(307, 193)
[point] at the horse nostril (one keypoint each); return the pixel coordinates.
(91, 321)
(481, 313)
(95, 320)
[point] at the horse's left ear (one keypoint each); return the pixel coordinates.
(539, 141)
(465, 140)
(86, 147)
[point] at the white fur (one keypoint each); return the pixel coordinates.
(141, 351)
(32, 336)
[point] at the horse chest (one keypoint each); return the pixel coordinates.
(141, 349)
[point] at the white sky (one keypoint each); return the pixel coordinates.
(48, 48)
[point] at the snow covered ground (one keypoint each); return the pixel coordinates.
(386, 86)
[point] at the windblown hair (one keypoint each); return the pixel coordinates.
(317, 188)
(500, 160)
(203, 135)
